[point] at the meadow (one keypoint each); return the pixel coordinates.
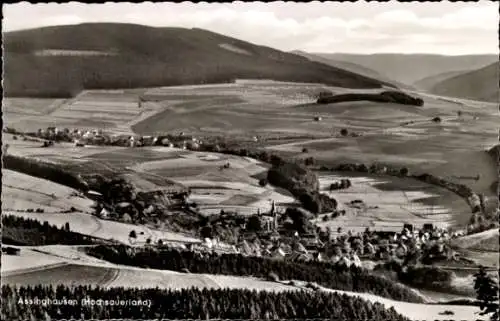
(389, 203)
(22, 192)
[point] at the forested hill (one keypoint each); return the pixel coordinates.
(480, 84)
(62, 60)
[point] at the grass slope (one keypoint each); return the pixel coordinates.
(131, 56)
(409, 68)
(429, 82)
(480, 84)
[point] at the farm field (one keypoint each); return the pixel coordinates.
(453, 148)
(90, 225)
(61, 152)
(232, 189)
(415, 311)
(22, 192)
(480, 247)
(390, 203)
(472, 241)
(91, 109)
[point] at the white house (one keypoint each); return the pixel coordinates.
(104, 213)
(401, 250)
(355, 260)
(278, 253)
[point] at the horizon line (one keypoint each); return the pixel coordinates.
(293, 51)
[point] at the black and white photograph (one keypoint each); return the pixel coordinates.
(250, 161)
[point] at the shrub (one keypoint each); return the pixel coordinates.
(344, 132)
(404, 171)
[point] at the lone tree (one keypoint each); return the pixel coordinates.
(404, 171)
(344, 132)
(436, 119)
(132, 234)
(254, 224)
(309, 161)
(263, 182)
(487, 293)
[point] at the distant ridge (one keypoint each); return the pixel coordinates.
(353, 67)
(427, 83)
(63, 60)
(410, 68)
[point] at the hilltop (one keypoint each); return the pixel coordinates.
(480, 84)
(61, 61)
(409, 68)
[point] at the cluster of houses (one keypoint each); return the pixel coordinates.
(345, 250)
(82, 137)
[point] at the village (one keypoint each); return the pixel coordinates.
(272, 234)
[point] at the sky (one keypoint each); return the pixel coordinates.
(448, 28)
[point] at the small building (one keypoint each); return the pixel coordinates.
(94, 195)
(355, 260)
(428, 227)
(104, 213)
(409, 227)
(345, 261)
(318, 257)
(127, 218)
(401, 250)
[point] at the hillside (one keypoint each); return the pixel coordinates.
(481, 84)
(61, 61)
(427, 83)
(353, 67)
(409, 68)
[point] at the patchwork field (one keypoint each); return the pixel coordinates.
(452, 148)
(389, 203)
(112, 110)
(214, 188)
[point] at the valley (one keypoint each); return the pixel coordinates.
(221, 179)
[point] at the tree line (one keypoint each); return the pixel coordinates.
(21, 231)
(40, 169)
(395, 97)
(324, 273)
(190, 303)
(302, 183)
